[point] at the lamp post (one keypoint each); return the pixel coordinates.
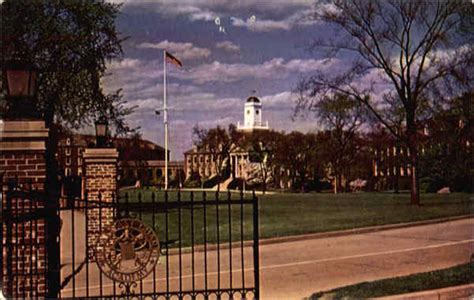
(101, 131)
(20, 80)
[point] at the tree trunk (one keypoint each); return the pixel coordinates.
(339, 182)
(264, 177)
(415, 188)
(412, 146)
(396, 159)
(396, 179)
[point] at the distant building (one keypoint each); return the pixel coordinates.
(201, 161)
(392, 159)
(138, 160)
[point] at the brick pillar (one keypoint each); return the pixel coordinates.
(100, 178)
(24, 256)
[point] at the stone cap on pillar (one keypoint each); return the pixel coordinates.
(100, 155)
(23, 135)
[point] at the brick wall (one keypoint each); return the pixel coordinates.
(26, 166)
(24, 256)
(101, 187)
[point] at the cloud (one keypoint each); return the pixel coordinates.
(260, 25)
(277, 101)
(180, 50)
(127, 63)
(300, 18)
(228, 46)
(272, 69)
(270, 15)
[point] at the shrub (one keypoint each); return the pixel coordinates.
(211, 182)
(430, 185)
(236, 184)
(192, 184)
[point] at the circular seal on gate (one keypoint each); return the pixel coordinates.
(127, 251)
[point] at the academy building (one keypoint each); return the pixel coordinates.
(202, 162)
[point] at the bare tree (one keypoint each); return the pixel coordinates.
(406, 56)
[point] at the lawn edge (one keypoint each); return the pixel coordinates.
(452, 292)
(321, 235)
(361, 230)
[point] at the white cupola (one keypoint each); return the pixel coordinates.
(253, 115)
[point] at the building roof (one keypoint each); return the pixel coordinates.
(253, 99)
(133, 148)
(152, 163)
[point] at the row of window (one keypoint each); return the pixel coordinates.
(68, 161)
(68, 151)
(194, 159)
(404, 171)
(68, 172)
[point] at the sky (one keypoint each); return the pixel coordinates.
(228, 49)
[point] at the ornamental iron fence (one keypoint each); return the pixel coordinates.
(137, 245)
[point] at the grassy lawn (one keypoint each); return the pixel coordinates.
(288, 214)
(458, 275)
(292, 214)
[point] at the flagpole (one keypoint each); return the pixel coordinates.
(165, 119)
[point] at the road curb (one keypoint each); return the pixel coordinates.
(321, 235)
(456, 292)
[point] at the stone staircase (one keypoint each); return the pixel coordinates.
(223, 185)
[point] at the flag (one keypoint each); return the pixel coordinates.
(170, 58)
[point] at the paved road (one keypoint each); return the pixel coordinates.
(295, 270)
(298, 269)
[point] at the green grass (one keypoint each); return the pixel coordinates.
(458, 275)
(293, 214)
(290, 214)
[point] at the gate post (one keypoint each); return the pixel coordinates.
(100, 187)
(22, 161)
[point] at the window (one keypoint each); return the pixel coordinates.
(79, 172)
(256, 112)
(79, 151)
(79, 161)
(68, 141)
(68, 151)
(248, 112)
(68, 161)
(67, 172)
(159, 173)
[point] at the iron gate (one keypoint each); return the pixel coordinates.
(151, 245)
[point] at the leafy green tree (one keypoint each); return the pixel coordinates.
(70, 42)
(417, 49)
